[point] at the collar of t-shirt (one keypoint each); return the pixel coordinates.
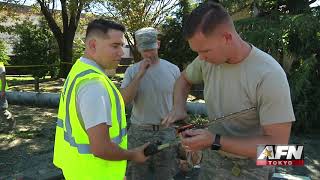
(92, 63)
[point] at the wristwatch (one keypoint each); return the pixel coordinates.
(216, 143)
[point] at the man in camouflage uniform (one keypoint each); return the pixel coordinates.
(148, 85)
(5, 114)
(236, 76)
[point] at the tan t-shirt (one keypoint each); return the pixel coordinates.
(258, 81)
(155, 93)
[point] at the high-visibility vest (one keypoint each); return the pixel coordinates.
(71, 149)
(6, 88)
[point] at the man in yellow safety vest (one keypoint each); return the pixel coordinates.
(5, 114)
(91, 137)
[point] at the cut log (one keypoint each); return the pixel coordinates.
(40, 99)
(197, 108)
(43, 99)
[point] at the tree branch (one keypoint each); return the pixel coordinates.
(311, 1)
(81, 5)
(75, 17)
(53, 4)
(108, 9)
(162, 11)
(64, 15)
(51, 22)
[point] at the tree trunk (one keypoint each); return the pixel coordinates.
(36, 84)
(64, 36)
(33, 99)
(66, 56)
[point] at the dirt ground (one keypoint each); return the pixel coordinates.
(47, 86)
(27, 153)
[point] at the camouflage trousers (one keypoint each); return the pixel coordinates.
(218, 166)
(7, 122)
(161, 166)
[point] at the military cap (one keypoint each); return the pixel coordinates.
(146, 38)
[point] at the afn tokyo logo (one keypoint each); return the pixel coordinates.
(280, 155)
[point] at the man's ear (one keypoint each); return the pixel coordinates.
(158, 42)
(92, 44)
(228, 37)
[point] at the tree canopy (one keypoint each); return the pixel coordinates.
(136, 14)
(63, 21)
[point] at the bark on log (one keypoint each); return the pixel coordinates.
(33, 99)
(197, 108)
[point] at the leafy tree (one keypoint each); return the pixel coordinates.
(289, 30)
(173, 45)
(302, 38)
(63, 24)
(78, 49)
(268, 7)
(36, 46)
(136, 14)
(305, 89)
(265, 33)
(70, 15)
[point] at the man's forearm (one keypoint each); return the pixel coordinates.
(102, 146)
(245, 146)
(113, 152)
(128, 93)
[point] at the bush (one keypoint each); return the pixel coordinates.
(263, 33)
(78, 49)
(297, 36)
(36, 46)
(305, 89)
(173, 46)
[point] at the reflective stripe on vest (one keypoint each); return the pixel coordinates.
(6, 86)
(116, 140)
(119, 117)
(85, 148)
(65, 87)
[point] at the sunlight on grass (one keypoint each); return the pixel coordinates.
(120, 75)
(19, 78)
(34, 147)
(22, 77)
(6, 136)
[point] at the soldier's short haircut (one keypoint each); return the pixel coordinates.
(101, 27)
(205, 18)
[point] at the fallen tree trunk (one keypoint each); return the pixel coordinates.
(33, 99)
(51, 100)
(197, 108)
